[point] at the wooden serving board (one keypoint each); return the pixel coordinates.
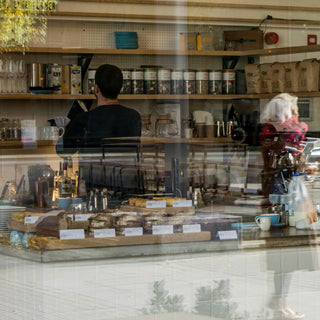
(42, 243)
(20, 226)
(169, 210)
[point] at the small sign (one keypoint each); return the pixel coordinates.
(182, 203)
(156, 204)
(118, 213)
(190, 228)
(128, 232)
(104, 233)
(228, 235)
(70, 216)
(162, 229)
(71, 234)
(30, 220)
(82, 217)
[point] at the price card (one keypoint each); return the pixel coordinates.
(182, 203)
(82, 217)
(162, 229)
(104, 233)
(71, 234)
(70, 216)
(228, 235)
(30, 220)
(123, 212)
(128, 232)
(190, 228)
(156, 204)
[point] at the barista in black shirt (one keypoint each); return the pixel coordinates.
(109, 119)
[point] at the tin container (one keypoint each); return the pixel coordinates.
(126, 86)
(164, 81)
(54, 76)
(202, 77)
(176, 81)
(150, 80)
(36, 75)
(189, 81)
(228, 81)
(215, 82)
(91, 80)
(75, 80)
(137, 81)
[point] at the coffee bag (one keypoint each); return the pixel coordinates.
(278, 79)
(266, 77)
(308, 75)
(291, 76)
(252, 72)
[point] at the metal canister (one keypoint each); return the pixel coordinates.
(164, 81)
(150, 80)
(36, 74)
(229, 81)
(230, 127)
(176, 81)
(91, 80)
(220, 129)
(137, 81)
(189, 81)
(127, 79)
(215, 82)
(202, 77)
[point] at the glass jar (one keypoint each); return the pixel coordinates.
(126, 85)
(165, 126)
(146, 130)
(176, 81)
(189, 82)
(137, 81)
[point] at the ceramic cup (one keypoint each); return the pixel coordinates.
(64, 203)
(264, 223)
(275, 217)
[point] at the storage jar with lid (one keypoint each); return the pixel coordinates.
(165, 126)
(202, 81)
(164, 81)
(189, 81)
(150, 80)
(146, 130)
(229, 81)
(137, 81)
(215, 82)
(176, 81)
(126, 85)
(91, 80)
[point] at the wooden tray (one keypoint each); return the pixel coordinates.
(20, 226)
(43, 243)
(169, 210)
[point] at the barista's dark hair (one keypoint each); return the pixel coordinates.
(109, 80)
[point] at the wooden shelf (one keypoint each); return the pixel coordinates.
(259, 52)
(30, 96)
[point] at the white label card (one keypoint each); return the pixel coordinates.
(156, 204)
(104, 233)
(162, 229)
(190, 228)
(71, 234)
(82, 217)
(182, 203)
(70, 216)
(128, 232)
(228, 235)
(30, 220)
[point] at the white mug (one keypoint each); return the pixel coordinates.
(50, 133)
(264, 223)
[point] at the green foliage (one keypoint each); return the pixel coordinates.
(162, 302)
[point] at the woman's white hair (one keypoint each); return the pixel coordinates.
(279, 109)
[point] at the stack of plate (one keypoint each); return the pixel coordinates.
(5, 215)
(126, 40)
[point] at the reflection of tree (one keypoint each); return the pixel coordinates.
(215, 302)
(162, 302)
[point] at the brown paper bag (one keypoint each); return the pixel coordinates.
(308, 75)
(266, 77)
(291, 76)
(253, 78)
(278, 79)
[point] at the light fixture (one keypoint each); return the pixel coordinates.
(24, 22)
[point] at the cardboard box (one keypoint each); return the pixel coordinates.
(243, 40)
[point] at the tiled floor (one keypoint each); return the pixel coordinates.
(233, 285)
